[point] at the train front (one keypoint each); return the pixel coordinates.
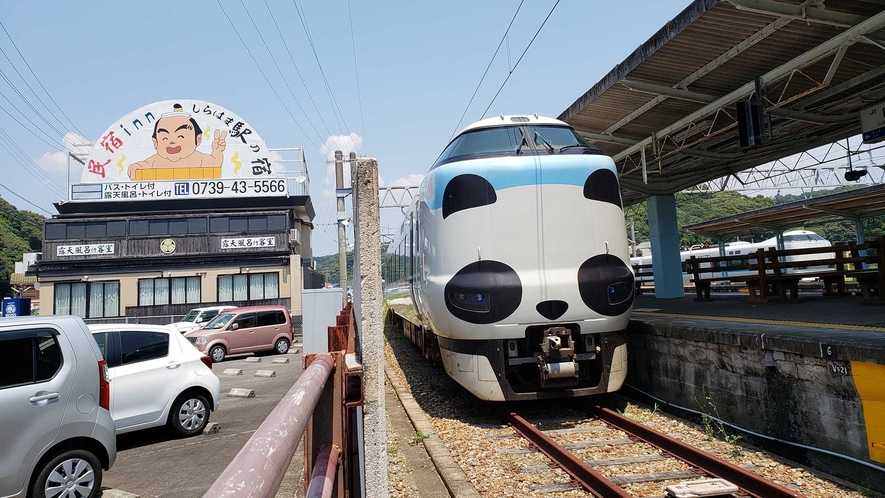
(523, 270)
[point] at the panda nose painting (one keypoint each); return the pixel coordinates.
(553, 309)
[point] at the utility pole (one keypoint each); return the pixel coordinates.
(342, 235)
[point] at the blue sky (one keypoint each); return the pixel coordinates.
(419, 63)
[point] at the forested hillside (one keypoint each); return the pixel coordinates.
(328, 266)
(20, 232)
(696, 208)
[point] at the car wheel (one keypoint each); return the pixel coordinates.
(281, 346)
(74, 473)
(189, 414)
(217, 353)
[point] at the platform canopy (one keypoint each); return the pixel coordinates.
(853, 205)
(673, 100)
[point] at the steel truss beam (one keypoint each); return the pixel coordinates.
(812, 56)
(397, 197)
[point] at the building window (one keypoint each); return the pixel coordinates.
(88, 299)
(176, 290)
(248, 287)
(255, 223)
(88, 230)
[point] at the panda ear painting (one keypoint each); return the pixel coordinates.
(466, 192)
(602, 185)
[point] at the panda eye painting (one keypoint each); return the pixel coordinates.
(515, 257)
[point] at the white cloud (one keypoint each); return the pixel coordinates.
(56, 162)
(412, 180)
(326, 202)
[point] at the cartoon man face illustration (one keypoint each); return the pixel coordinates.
(176, 138)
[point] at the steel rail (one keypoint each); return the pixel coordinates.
(591, 480)
(752, 483)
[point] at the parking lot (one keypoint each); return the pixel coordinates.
(154, 463)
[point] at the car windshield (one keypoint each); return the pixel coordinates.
(191, 316)
(486, 142)
(219, 321)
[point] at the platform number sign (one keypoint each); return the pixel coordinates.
(828, 351)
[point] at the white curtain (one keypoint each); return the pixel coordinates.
(63, 299)
(271, 285)
(256, 286)
(145, 292)
(179, 290)
(161, 291)
(112, 299)
(225, 288)
(78, 299)
(241, 288)
(193, 289)
(96, 300)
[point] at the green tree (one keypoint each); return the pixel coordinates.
(20, 232)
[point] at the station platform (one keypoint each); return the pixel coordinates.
(808, 379)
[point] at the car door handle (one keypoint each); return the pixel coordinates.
(172, 365)
(43, 396)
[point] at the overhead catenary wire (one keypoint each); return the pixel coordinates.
(506, 32)
(38, 81)
(520, 58)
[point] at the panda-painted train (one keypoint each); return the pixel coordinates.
(515, 256)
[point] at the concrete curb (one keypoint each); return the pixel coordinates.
(453, 477)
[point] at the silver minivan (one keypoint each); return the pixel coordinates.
(57, 433)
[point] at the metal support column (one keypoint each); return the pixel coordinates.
(664, 235)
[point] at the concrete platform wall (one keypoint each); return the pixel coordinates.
(790, 385)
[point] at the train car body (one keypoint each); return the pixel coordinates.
(794, 239)
(516, 257)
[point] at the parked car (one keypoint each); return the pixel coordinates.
(158, 378)
(198, 317)
(245, 330)
(57, 434)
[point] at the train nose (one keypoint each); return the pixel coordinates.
(552, 310)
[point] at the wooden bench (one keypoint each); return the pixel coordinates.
(870, 281)
(704, 270)
(641, 272)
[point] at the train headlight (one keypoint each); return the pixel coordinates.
(619, 292)
(470, 300)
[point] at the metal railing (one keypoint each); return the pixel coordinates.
(323, 412)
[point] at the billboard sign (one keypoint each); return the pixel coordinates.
(872, 123)
(178, 149)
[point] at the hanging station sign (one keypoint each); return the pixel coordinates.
(178, 149)
(872, 123)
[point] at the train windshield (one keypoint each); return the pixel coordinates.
(556, 139)
(487, 142)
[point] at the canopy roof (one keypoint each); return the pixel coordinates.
(673, 99)
(864, 202)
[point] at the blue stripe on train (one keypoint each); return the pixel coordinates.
(509, 172)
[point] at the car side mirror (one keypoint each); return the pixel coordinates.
(201, 319)
(235, 326)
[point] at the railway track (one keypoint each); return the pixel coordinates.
(699, 465)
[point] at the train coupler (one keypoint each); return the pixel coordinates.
(558, 363)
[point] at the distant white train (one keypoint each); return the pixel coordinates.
(795, 239)
(515, 256)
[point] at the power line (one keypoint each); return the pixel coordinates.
(298, 72)
(274, 60)
(39, 82)
(304, 24)
(19, 155)
(520, 58)
(22, 198)
(356, 70)
(506, 32)
(39, 114)
(260, 70)
(47, 142)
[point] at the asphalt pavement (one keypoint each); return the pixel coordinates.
(154, 463)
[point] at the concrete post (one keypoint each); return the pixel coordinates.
(342, 235)
(357, 291)
(663, 232)
(370, 326)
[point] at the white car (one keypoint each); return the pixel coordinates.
(157, 378)
(198, 317)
